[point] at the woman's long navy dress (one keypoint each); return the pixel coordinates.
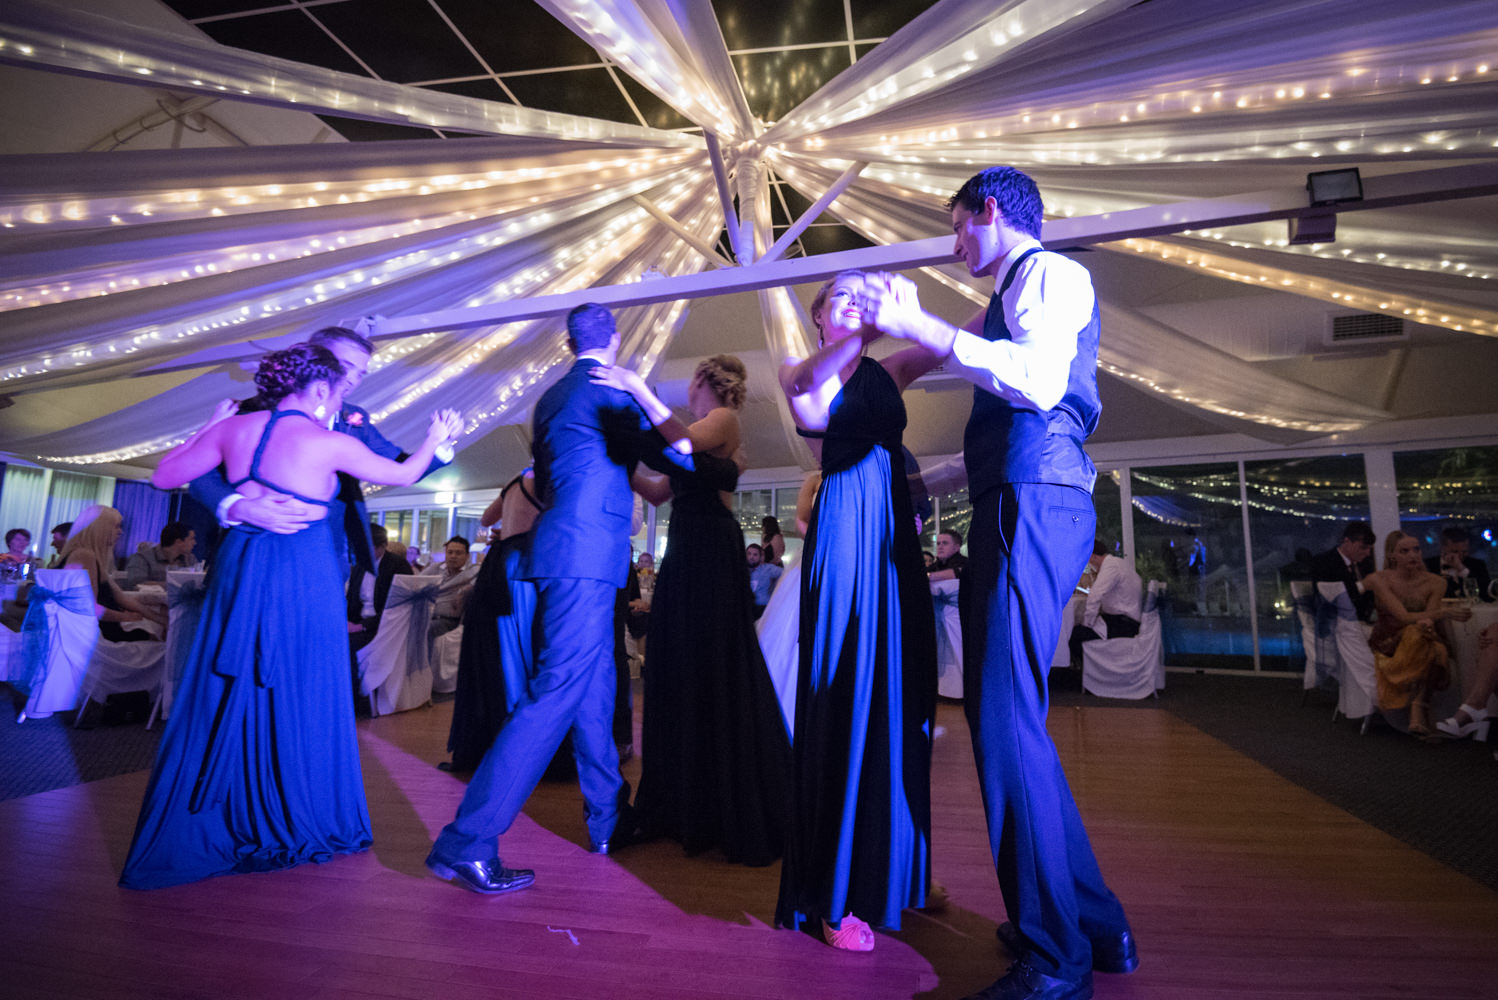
(715, 755)
(259, 764)
(866, 695)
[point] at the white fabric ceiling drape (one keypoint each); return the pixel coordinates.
(114, 263)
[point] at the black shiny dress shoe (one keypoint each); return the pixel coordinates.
(598, 847)
(1023, 982)
(1114, 954)
(488, 877)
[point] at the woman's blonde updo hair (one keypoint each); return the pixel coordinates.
(821, 297)
(727, 377)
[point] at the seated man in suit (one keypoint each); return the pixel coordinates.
(588, 438)
(1348, 564)
(367, 592)
(150, 562)
(1112, 601)
(1457, 567)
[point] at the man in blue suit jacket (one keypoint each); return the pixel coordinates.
(347, 515)
(588, 438)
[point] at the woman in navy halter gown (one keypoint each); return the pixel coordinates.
(259, 766)
(860, 846)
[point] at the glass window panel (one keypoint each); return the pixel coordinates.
(431, 529)
(1107, 505)
(399, 524)
(1297, 507)
(1188, 531)
(953, 513)
(752, 506)
(1449, 487)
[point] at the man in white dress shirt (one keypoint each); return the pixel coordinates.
(1032, 357)
(1112, 608)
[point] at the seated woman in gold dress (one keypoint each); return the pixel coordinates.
(1407, 650)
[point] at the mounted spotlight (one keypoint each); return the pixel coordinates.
(1326, 187)
(1333, 187)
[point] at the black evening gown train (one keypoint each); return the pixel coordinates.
(866, 693)
(715, 755)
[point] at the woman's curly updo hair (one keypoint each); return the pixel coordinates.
(290, 371)
(726, 376)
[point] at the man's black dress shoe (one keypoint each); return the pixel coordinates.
(1022, 982)
(489, 877)
(1114, 954)
(598, 847)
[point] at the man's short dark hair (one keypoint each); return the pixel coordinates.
(13, 532)
(378, 535)
(65, 527)
(174, 533)
(1102, 547)
(328, 334)
(1016, 194)
(956, 535)
(1454, 535)
(589, 327)
(755, 545)
(1358, 531)
(459, 539)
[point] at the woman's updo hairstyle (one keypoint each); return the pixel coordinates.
(290, 371)
(726, 376)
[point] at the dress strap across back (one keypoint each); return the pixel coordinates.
(260, 450)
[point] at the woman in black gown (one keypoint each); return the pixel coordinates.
(494, 659)
(715, 757)
(860, 847)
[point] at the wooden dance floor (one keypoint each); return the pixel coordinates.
(1238, 883)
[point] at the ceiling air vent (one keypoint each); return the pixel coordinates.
(1355, 329)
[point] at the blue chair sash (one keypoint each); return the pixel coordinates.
(35, 636)
(416, 638)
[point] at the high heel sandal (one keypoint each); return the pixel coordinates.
(1475, 726)
(853, 935)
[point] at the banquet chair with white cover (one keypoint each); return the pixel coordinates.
(1133, 666)
(1357, 698)
(10, 654)
(395, 669)
(948, 639)
(445, 649)
(66, 660)
(185, 590)
(1317, 620)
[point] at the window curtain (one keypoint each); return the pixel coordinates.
(23, 504)
(145, 510)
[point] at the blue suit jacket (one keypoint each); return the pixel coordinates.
(588, 439)
(346, 514)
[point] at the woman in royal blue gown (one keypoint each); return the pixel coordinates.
(860, 845)
(715, 755)
(258, 768)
